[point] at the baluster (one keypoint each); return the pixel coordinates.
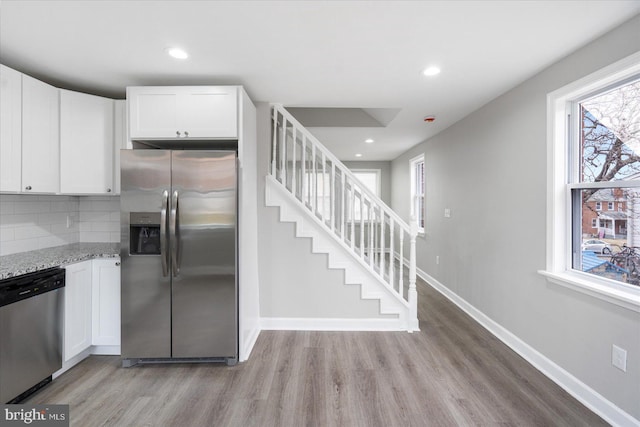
(382, 238)
(343, 198)
(352, 204)
(293, 164)
(375, 237)
(274, 142)
(283, 152)
(401, 272)
(392, 255)
(333, 197)
(371, 231)
(361, 223)
(305, 182)
(324, 187)
(314, 180)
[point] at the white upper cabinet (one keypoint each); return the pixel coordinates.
(40, 137)
(10, 129)
(86, 144)
(183, 112)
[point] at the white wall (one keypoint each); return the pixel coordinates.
(31, 222)
(490, 169)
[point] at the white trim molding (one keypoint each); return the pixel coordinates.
(572, 385)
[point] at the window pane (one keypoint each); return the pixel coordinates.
(369, 179)
(607, 238)
(610, 135)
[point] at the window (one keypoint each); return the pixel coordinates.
(594, 150)
(417, 191)
(370, 179)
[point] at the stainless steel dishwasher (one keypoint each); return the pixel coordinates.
(30, 332)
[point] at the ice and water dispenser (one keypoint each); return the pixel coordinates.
(144, 233)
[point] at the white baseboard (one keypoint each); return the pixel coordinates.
(73, 362)
(314, 324)
(572, 385)
(245, 352)
(107, 350)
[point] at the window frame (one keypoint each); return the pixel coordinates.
(413, 196)
(378, 191)
(560, 105)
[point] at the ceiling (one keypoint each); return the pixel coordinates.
(363, 57)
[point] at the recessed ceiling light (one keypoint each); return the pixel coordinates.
(358, 155)
(431, 71)
(177, 53)
(369, 141)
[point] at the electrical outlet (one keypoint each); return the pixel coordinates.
(619, 358)
(447, 213)
(437, 259)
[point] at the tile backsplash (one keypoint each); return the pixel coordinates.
(30, 222)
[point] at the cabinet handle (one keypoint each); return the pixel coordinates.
(28, 187)
(186, 133)
(117, 263)
(177, 133)
(108, 190)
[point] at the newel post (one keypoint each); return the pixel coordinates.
(413, 293)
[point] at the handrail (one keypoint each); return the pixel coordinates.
(379, 243)
(330, 156)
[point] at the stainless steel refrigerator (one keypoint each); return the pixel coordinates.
(178, 250)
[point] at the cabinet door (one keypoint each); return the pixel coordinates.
(40, 137)
(10, 129)
(183, 112)
(209, 112)
(86, 143)
(77, 309)
(153, 112)
(106, 302)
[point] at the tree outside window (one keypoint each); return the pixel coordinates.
(607, 148)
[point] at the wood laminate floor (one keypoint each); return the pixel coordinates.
(451, 373)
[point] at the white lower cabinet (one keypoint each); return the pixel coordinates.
(91, 310)
(106, 302)
(77, 309)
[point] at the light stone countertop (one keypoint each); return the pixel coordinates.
(58, 256)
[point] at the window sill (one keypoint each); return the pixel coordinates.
(629, 299)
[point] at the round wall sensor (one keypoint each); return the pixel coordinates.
(430, 119)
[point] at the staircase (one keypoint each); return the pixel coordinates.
(359, 232)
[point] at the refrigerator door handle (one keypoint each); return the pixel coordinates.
(175, 233)
(164, 254)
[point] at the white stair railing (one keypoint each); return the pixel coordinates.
(348, 210)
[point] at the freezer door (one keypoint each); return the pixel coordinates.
(146, 282)
(203, 220)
